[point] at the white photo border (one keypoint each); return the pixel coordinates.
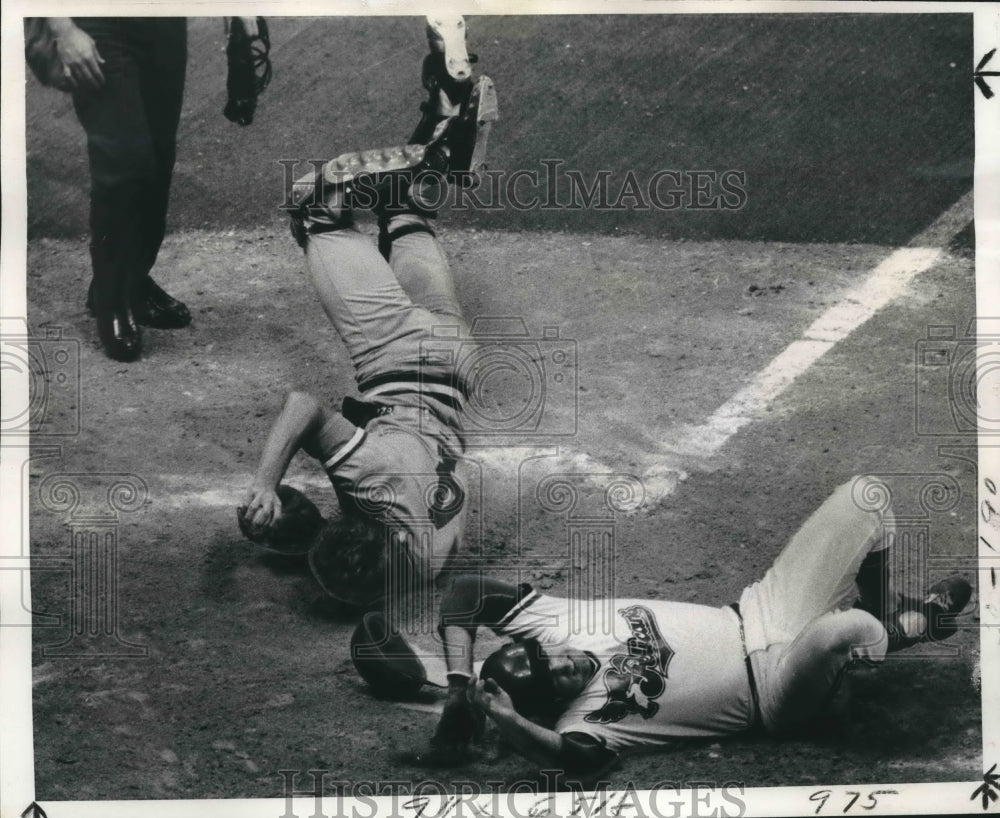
(16, 738)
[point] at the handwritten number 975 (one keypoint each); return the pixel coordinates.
(869, 803)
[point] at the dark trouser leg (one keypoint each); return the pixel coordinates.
(122, 165)
(161, 83)
(161, 76)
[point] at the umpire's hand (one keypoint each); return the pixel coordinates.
(78, 54)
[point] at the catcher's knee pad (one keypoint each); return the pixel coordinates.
(317, 205)
(306, 223)
(387, 235)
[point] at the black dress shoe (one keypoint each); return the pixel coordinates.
(155, 308)
(120, 335)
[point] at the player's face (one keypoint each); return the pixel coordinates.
(570, 670)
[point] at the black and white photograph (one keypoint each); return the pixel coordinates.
(500, 410)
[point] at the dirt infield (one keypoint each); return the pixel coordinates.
(854, 135)
(248, 670)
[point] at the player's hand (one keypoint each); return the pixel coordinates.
(461, 723)
(80, 57)
(492, 698)
(261, 507)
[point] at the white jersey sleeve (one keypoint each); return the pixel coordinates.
(537, 616)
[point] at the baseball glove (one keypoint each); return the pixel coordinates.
(249, 70)
(385, 660)
(295, 530)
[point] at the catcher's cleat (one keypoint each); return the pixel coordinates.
(446, 36)
(931, 619)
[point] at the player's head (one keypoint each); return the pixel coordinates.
(540, 681)
(350, 559)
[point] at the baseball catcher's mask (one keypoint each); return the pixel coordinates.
(522, 669)
(249, 70)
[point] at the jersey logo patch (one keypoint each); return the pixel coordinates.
(636, 678)
(445, 497)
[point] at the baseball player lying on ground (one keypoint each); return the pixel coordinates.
(391, 455)
(653, 671)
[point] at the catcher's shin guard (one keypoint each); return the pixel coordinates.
(446, 75)
(464, 131)
(446, 96)
(467, 135)
(316, 207)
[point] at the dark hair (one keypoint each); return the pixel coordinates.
(358, 559)
(522, 670)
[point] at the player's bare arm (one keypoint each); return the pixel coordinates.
(472, 601)
(535, 742)
(303, 424)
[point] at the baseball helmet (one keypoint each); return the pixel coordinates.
(385, 660)
(522, 670)
(295, 530)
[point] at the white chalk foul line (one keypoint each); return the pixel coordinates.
(885, 283)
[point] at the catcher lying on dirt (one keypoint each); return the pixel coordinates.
(391, 456)
(585, 680)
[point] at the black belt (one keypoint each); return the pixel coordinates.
(361, 412)
(423, 383)
(758, 720)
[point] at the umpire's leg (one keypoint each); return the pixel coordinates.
(162, 63)
(122, 166)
